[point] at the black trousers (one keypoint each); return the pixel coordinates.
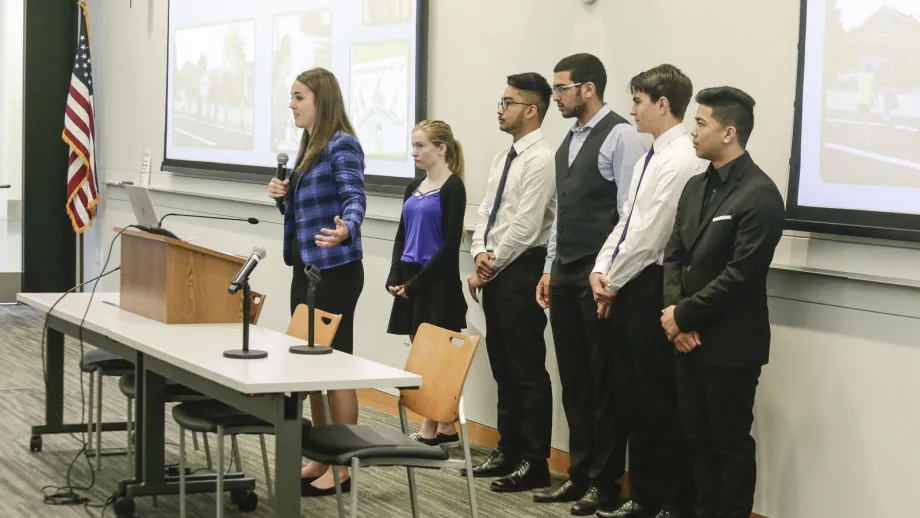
(517, 354)
(717, 408)
(660, 464)
(586, 361)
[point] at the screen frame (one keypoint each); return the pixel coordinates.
(880, 225)
(373, 184)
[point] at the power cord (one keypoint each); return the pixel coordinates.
(66, 495)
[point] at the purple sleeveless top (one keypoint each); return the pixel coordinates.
(423, 227)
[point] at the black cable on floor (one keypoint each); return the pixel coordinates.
(67, 494)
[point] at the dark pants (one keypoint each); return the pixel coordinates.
(660, 463)
(337, 293)
(586, 360)
(517, 353)
(717, 408)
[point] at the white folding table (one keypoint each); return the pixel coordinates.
(192, 355)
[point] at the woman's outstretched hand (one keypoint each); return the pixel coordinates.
(330, 238)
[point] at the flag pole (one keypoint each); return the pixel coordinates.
(80, 260)
(82, 195)
(79, 235)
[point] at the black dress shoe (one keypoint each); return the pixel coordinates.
(524, 478)
(567, 492)
(497, 465)
(630, 509)
(309, 490)
(588, 504)
(440, 439)
(670, 514)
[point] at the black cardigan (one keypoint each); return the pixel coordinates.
(446, 261)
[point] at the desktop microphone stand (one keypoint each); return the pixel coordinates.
(314, 277)
(245, 353)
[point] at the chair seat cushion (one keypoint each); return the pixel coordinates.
(206, 416)
(173, 390)
(110, 364)
(338, 444)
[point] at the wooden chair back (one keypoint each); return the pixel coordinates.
(256, 303)
(442, 358)
(326, 324)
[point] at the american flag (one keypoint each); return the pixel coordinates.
(80, 135)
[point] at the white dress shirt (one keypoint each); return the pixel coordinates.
(620, 150)
(653, 205)
(528, 204)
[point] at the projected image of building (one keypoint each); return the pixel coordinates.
(872, 96)
(214, 87)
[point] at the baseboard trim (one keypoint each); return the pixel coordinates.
(480, 434)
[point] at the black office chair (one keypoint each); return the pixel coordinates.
(221, 419)
(443, 359)
(98, 364)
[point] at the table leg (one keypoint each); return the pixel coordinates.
(54, 385)
(149, 477)
(288, 439)
(153, 425)
(54, 390)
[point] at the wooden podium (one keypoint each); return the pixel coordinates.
(175, 282)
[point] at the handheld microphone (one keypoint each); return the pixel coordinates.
(251, 221)
(280, 174)
(242, 277)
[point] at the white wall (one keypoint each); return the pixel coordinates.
(836, 409)
(11, 52)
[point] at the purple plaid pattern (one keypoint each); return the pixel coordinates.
(333, 187)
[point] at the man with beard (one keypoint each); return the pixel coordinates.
(594, 168)
(509, 245)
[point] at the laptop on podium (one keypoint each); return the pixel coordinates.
(144, 213)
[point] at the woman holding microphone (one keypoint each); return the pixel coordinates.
(323, 210)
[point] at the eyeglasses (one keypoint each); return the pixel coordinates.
(560, 89)
(505, 103)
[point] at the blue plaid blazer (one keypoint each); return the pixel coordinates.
(334, 186)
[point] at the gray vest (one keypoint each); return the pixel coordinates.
(587, 202)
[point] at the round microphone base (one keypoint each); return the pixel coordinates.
(239, 354)
(306, 349)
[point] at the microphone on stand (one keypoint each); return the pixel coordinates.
(314, 277)
(241, 280)
(280, 174)
(160, 231)
(242, 277)
(251, 221)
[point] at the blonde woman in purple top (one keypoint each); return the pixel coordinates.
(424, 276)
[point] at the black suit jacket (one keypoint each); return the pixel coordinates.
(715, 267)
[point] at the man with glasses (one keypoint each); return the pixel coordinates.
(594, 168)
(509, 245)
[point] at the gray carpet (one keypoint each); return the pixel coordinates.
(384, 491)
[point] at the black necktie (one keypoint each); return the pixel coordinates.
(498, 195)
(648, 158)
